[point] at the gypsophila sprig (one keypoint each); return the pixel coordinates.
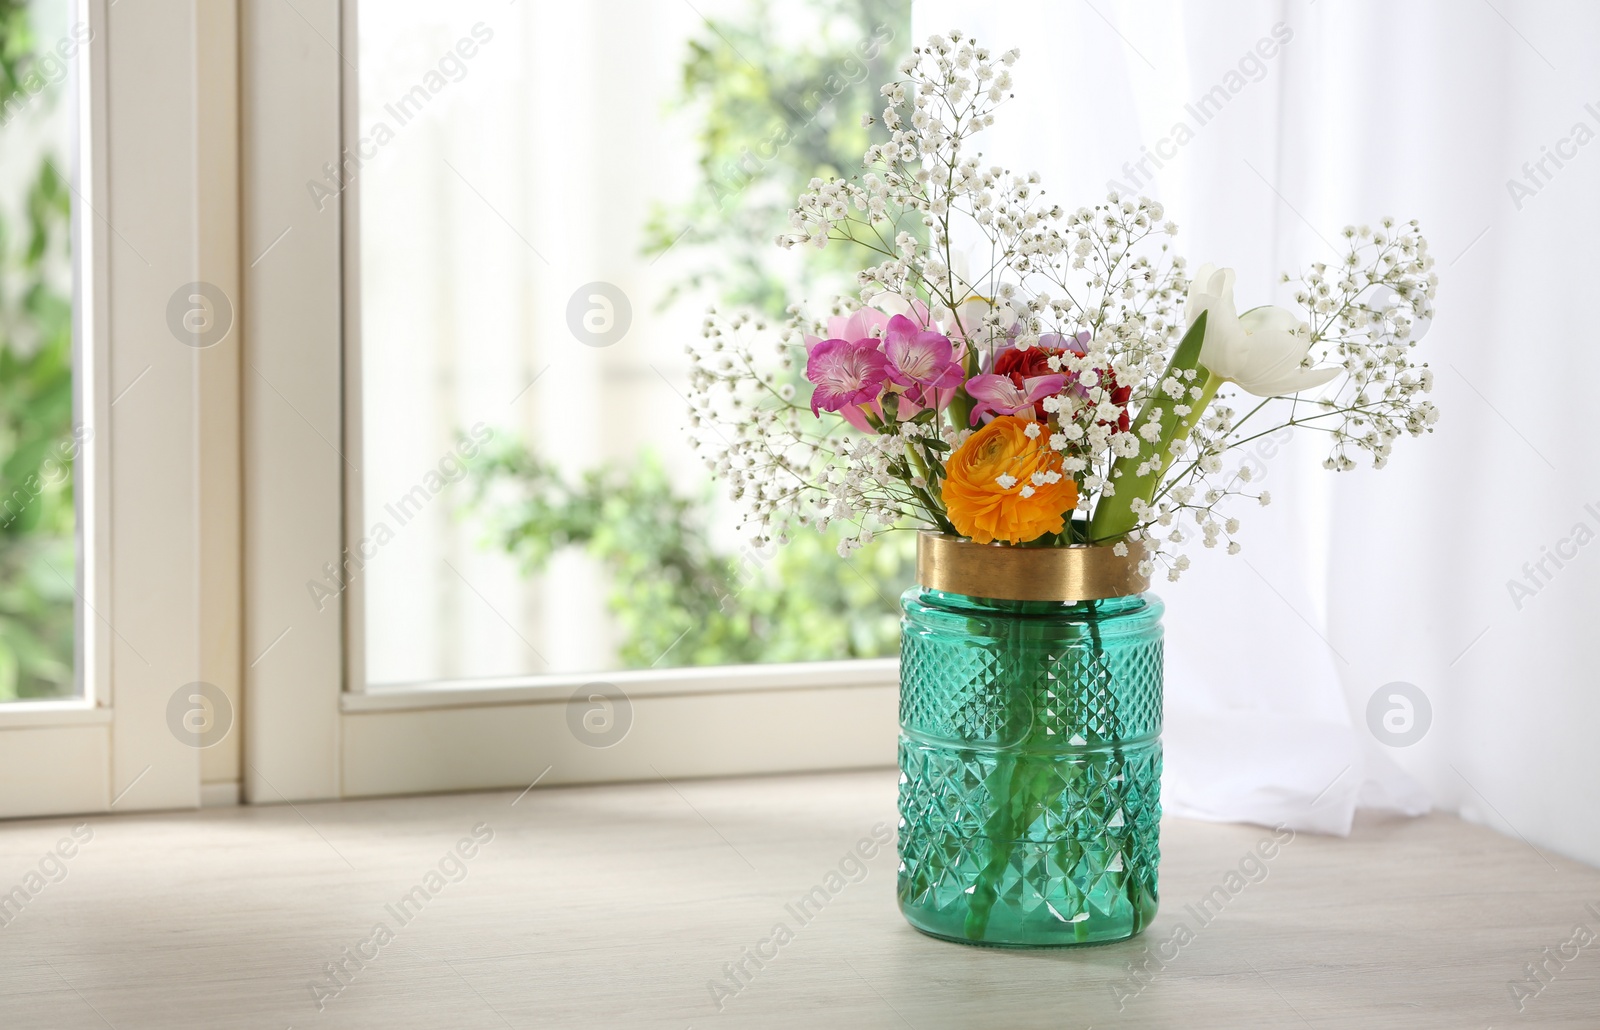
(1018, 371)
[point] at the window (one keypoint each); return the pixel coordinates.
(474, 234)
(41, 435)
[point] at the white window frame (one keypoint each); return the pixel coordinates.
(310, 737)
(141, 519)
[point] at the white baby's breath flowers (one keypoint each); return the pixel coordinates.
(994, 261)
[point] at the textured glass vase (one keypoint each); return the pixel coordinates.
(1030, 768)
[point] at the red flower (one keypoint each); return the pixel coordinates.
(1023, 364)
(1035, 361)
(1018, 365)
(1118, 395)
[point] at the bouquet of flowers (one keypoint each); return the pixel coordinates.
(1019, 372)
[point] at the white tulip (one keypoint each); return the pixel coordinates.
(1262, 350)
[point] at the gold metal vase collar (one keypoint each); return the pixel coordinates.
(1081, 572)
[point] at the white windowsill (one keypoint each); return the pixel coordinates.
(75, 712)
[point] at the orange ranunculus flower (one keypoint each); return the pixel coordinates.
(989, 489)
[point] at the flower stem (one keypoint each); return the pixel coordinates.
(1009, 784)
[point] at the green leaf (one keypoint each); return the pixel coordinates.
(1113, 516)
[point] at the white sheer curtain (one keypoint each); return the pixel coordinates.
(1347, 112)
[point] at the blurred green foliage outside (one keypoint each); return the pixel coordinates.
(779, 94)
(37, 446)
(677, 598)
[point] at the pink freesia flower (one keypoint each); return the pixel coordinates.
(874, 321)
(845, 373)
(1076, 344)
(857, 414)
(869, 325)
(919, 359)
(857, 325)
(998, 395)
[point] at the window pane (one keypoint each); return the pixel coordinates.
(37, 439)
(550, 196)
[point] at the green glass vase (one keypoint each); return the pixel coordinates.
(1030, 767)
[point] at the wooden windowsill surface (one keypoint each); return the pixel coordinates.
(622, 906)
